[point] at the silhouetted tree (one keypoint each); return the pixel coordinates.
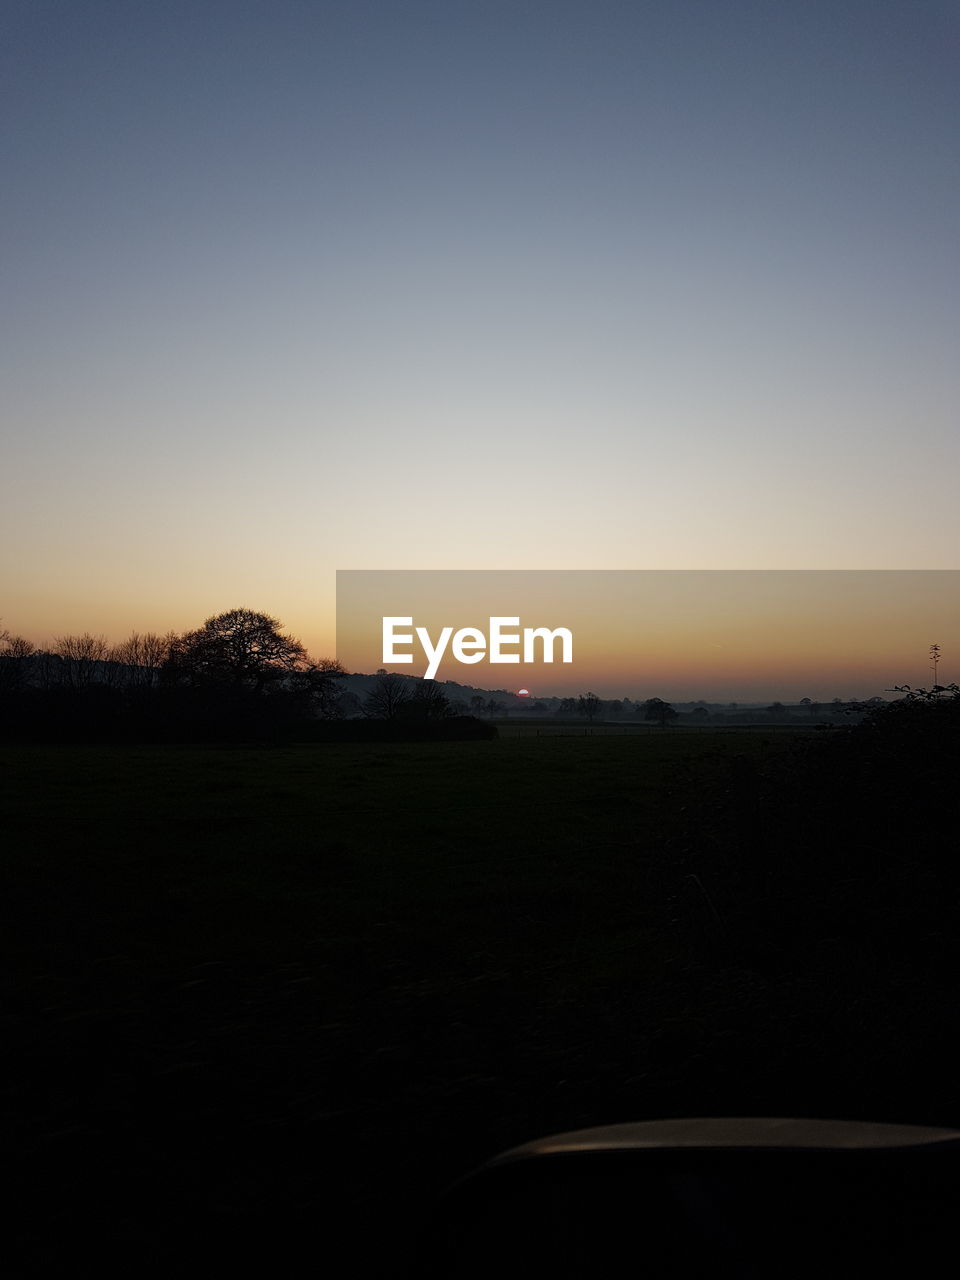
(428, 702)
(239, 648)
(82, 657)
(15, 655)
(387, 697)
(588, 704)
(317, 684)
(17, 647)
(143, 656)
(568, 707)
(657, 709)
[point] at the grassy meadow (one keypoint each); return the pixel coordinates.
(281, 995)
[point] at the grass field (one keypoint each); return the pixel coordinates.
(235, 974)
(552, 728)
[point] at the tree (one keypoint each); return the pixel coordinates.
(240, 648)
(82, 655)
(317, 686)
(478, 704)
(657, 709)
(588, 704)
(387, 698)
(428, 702)
(17, 647)
(568, 707)
(143, 654)
(15, 652)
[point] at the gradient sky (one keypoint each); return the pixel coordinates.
(289, 287)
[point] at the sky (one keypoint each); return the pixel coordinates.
(292, 287)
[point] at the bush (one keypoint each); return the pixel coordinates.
(849, 834)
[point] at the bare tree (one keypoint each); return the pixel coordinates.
(387, 698)
(82, 656)
(17, 647)
(428, 702)
(15, 651)
(143, 654)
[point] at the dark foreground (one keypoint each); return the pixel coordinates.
(266, 999)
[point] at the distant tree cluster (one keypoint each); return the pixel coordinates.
(401, 706)
(395, 697)
(657, 711)
(592, 707)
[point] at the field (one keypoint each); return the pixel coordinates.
(280, 995)
(518, 727)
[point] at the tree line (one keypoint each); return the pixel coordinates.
(658, 711)
(590, 706)
(238, 675)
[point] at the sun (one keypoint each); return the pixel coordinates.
(523, 693)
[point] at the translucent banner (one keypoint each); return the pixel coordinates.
(712, 635)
